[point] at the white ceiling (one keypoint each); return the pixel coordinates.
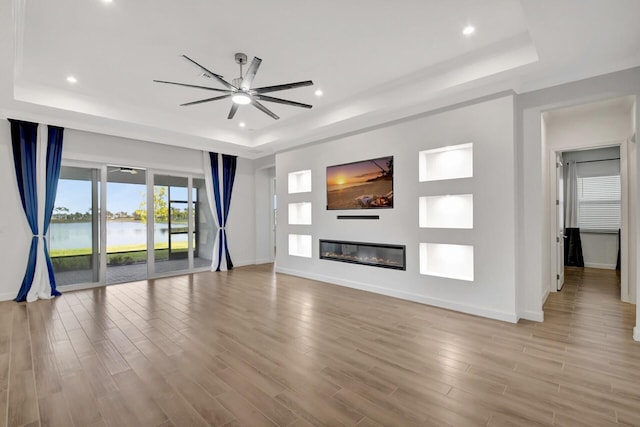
(375, 61)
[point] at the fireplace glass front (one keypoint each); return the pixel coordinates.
(373, 254)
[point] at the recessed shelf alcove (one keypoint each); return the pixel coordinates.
(300, 213)
(300, 245)
(450, 162)
(450, 211)
(300, 182)
(445, 260)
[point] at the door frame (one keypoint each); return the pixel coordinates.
(101, 220)
(190, 176)
(560, 225)
(624, 208)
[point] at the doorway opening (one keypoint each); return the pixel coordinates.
(590, 209)
(588, 174)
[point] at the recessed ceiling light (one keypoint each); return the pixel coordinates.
(468, 30)
(242, 124)
(318, 92)
(72, 79)
(107, 1)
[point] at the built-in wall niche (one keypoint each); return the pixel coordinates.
(300, 182)
(300, 245)
(300, 213)
(450, 211)
(450, 162)
(445, 260)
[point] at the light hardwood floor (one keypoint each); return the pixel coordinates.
(253, 348)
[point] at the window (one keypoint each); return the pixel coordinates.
(599, 202)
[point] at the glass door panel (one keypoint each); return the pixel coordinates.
(73, 233)
(126, 224)
(171, 223)
(204, 228)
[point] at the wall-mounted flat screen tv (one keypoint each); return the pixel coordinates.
(367, 184)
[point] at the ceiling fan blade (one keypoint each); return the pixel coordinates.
(232, 112)
(205, 100)
(187, 85)
(251, 73)
(286, 86)
(264, 109)
(281, 101)
(218, 77)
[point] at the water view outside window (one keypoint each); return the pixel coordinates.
(126, 225)
(171, 217)
(75, 227)
(73, 233)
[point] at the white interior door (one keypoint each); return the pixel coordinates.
(559, 222)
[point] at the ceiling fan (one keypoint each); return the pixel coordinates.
(240, 90)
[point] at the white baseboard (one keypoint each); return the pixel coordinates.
(534, 316)
(636, 333)
(8, 296)
(263, 261)
(240, 263)
(450, 305)
(598, 265)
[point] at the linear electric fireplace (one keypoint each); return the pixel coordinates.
(374, 254)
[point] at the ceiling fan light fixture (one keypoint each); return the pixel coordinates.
(241, 98)
(242, 91)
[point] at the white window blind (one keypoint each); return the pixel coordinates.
(599, 203)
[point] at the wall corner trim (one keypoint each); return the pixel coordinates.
(535, 316)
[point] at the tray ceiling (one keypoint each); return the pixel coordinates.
(373, 63)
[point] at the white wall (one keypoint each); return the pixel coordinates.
(533, 183)
(600, 250)
(490, 126)
(241, 226)
(105, 149)
(264, 214)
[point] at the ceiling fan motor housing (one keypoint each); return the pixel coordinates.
(241, 58)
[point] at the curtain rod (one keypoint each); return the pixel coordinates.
(601, 160)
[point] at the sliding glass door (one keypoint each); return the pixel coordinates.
(171, 223)
(183, 226)
(204, 228)
(126, 224)
(143, 210)
(74, 230)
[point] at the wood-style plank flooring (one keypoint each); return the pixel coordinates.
(253, 348)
